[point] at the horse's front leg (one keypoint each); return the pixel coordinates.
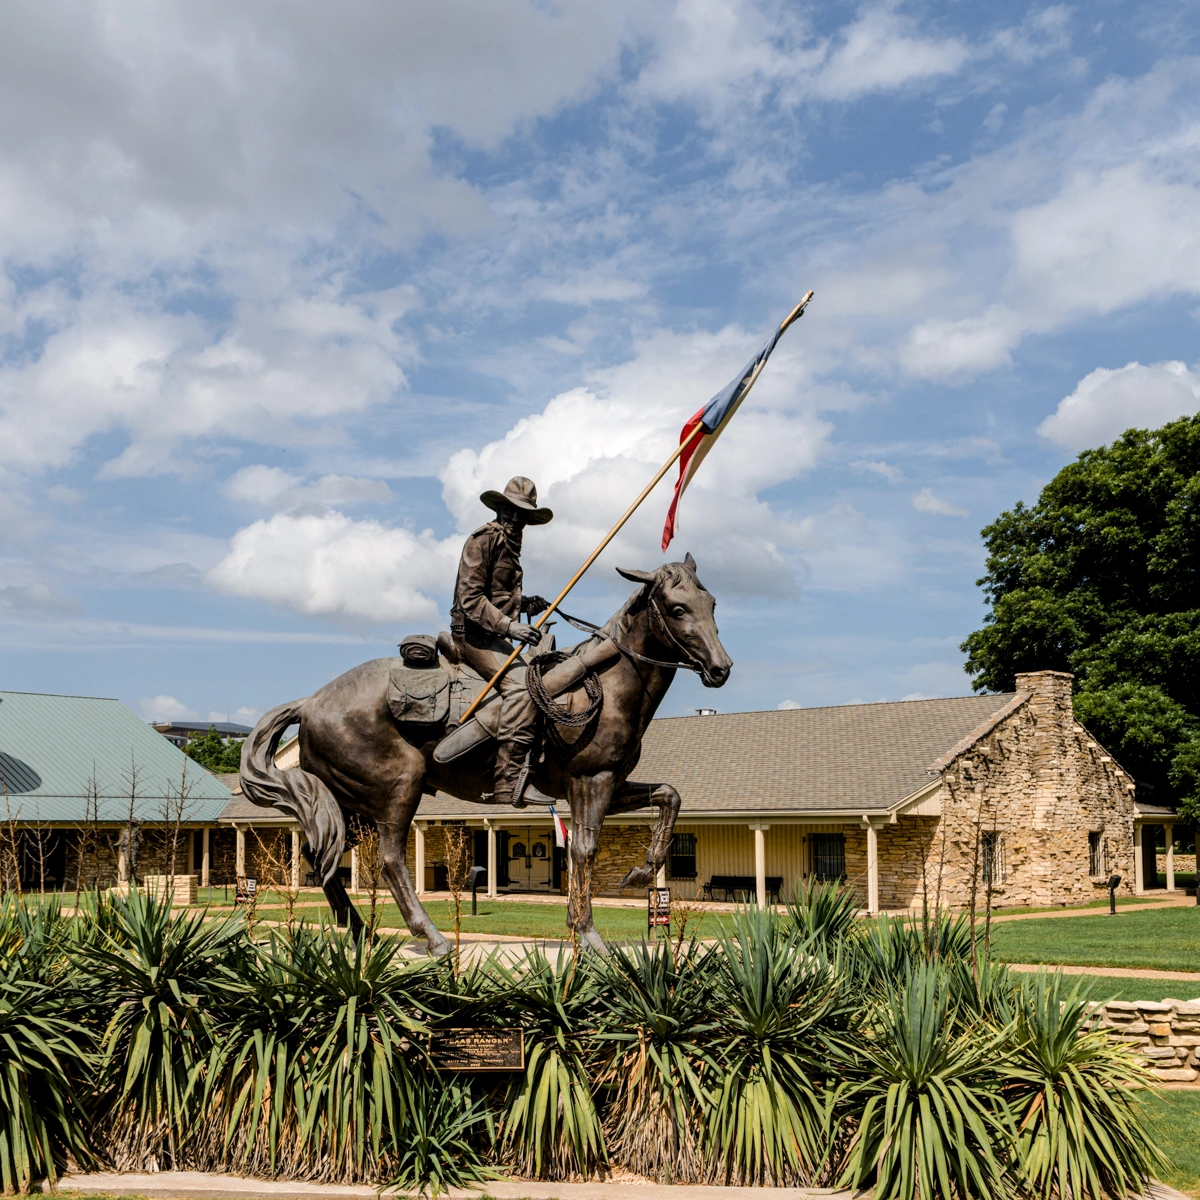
(666, 799)
(590, 797)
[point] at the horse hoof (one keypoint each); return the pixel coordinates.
(591, 940)
(638, 877)
(437, 949)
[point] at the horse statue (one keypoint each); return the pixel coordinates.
(356, 757)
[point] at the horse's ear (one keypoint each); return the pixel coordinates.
(689, 562)
(636, 576)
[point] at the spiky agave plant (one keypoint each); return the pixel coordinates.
(45, 1055)
(157, 985)
(659, 1007)
(935, 1124)
(824, 911)
(1080, 1131)
(551, 1126)
(774, 1109)
(315, 1075)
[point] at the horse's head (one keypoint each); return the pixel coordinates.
(684, 608)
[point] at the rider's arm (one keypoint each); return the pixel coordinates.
(473, 573)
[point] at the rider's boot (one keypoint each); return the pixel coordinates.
(512, 773)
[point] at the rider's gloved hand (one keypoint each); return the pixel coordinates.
(523, 633)
(532, 605)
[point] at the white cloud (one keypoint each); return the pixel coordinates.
(327, 564)
(276, 489)
(1107, 402)
(926, 502)
(787, 704)
(167, 708)
(239, 716)
(867, 466)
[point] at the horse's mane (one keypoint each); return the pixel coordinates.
(672, 573)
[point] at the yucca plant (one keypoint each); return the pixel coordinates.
(157, 984)
(659, 1006)
(774, 1112)
(551, 1127)
(935, 1124)
(45, 1053)
(890, 946)
(314, 1076)
(824, 911)
(1080, 1131)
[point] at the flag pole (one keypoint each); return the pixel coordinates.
(612, 533)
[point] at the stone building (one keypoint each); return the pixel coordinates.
(954, 801)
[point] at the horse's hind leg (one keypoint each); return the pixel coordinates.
(666, 799)
(393, 826)
(344, 911)
(590, 796)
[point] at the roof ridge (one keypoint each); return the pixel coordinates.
(746, 712)
(56, 695)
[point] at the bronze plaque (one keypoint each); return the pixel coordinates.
(478, 1049)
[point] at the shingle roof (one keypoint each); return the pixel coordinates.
(50, 746)
(852, 758)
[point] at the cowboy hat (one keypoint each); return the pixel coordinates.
(521, 494)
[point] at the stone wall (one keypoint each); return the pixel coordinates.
(1040, 784)
(1167, 1032)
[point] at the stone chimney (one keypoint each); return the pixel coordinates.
(1054, 733)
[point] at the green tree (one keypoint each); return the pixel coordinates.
(1101, 577)
(214, 753)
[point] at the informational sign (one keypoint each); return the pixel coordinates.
(478, 1049)
(247, 889)
(658, 907)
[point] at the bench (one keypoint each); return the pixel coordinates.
(731, 885)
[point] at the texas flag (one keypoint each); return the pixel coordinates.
(713, 418)
(560, 829)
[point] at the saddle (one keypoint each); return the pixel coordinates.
(434, 687)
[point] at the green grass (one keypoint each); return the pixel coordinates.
(513, 918)
(1115, 987)
(1175, 1117)
(1164, 939)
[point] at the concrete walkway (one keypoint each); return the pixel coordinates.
(1115, 972)
(197, 1185)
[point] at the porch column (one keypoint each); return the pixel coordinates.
(354, 868)
(205, 856)
(872, 869)
(1169, 837)
(493, 865)
(760, 863)
(419, 847)
(1138, 881)
(240, 853)
(295, 860)
(122, 867)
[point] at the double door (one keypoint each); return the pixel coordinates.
(530, 859)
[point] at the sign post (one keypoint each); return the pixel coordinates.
(658, 908)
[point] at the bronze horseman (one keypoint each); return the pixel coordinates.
(484, 623)
(385, 733)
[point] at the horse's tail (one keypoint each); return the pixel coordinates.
(294, 791)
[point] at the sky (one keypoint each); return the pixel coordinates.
(285, 286)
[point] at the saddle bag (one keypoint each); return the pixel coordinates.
(419, 696)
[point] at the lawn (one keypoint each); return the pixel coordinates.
(1164, 939)
(513, 918)
(1175, 1117)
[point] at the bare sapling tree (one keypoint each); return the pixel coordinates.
(129, 840)
(458, 843)
(88, 838)
(10, 846)
(276, 872)
(993, 867)
(370, 875)
(683, 911)
(177, 805)
(39, 840)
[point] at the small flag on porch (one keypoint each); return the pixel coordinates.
(560, 829)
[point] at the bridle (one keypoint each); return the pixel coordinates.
(661, 629)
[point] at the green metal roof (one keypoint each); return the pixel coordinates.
(51, 748)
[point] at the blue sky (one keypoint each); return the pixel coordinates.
(285, 286)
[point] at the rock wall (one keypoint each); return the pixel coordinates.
(1167, 1032)
(1039, 784)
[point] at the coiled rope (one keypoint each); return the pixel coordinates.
(559, 713)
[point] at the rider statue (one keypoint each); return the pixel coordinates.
(484, 622)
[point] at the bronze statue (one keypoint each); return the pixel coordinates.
(484, 623)
(368, 739)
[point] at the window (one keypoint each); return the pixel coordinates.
(992, 856)
(829, 856)
(1097, 858)
(682, 861)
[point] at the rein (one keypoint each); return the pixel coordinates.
(588, 627)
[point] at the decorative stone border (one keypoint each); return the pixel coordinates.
(1167, 1032)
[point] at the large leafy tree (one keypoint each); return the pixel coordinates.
(213, 752)
(1101, 577)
